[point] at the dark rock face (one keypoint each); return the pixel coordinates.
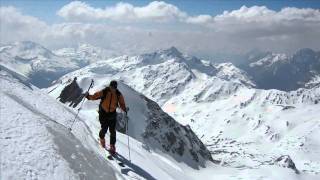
(286, 74)
(170, 136)
(71, 93)
(286, 162)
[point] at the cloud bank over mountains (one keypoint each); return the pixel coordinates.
(136, 29)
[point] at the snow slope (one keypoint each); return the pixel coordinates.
(244, 128)
(36, 142)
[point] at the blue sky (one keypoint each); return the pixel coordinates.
(46, 9)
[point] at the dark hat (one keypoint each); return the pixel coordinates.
(113, 84)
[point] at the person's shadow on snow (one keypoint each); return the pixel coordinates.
(133, 168)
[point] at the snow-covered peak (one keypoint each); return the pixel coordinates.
(229, 72)
(161, 56)
(270, 59)
(315, 81)
(35, 62)
(172, 51)
(27, 50)
(173, 55)
(82, 50)
(284, 72)
(85, 54)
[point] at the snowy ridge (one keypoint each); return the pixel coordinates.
(166, 73)
(270, 59)
(34, 56)
(34, 61)
(148, 123)
(315, 81)
(229, 72)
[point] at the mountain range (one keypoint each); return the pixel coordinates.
(280, 71)
(245, 124)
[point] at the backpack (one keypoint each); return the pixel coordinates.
(104, 95)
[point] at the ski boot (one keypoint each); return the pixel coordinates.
(103, 143)
(112, 149)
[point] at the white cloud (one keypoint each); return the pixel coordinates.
(263, 14)
(200, 19)
(156, 10)
(16, 26)
(232, 31)
(164, 12)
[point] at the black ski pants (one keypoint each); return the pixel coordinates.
(108, 120)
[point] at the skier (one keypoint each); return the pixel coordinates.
(110, 97)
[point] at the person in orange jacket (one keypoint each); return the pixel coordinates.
(111, 98)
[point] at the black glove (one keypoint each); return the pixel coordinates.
(86, 94)
(126, 110)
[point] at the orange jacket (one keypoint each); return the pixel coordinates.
(111, 101)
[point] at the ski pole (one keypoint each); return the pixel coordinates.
(82, 102)
(128, 133)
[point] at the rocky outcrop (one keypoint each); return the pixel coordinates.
(286, 162)
(71, 93)
(172, 137)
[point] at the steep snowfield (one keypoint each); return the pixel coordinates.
(35, 144)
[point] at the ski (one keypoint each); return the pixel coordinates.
(114, 156)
